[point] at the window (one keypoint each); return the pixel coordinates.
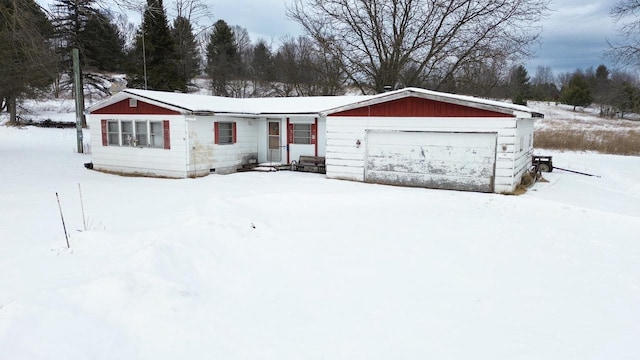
(302, 133)
(113, 132)
(157, 135)
(126, 130)
(140, 133)
(225, 133)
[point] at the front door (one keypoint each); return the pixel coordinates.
(274, 153)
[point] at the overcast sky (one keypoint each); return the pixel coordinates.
(574, 35)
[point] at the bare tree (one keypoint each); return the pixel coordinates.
(240, 86)
(192, 10)
(544, 75)
(627, 52)
(409, 42)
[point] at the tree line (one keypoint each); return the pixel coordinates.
(616, 92)
(459, 46)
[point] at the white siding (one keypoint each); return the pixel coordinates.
(140, 160)
(192, 153)
(206, 157)
(263, 139)
(322, 136)
(345, 158)
(522, 161)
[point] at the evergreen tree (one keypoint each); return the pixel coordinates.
(155, 50)
(222, 57)
(576, 92)
(627, 99)
(186, 48)
(624, 93)
(262, 63)
(70, 20)
(102, 44)
(601, 87)
(519, 85)
(25, 57)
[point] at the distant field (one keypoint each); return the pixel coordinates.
(583, 130)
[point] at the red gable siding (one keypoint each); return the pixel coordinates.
(142, 108)
(418, 107)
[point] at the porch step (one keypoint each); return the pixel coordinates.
(265, 167)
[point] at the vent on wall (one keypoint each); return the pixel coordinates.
(133, 102)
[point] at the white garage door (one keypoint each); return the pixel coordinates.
(456, 161)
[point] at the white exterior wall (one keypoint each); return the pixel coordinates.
(192, 153)
(143, 161)
(322, 136)
(522, 161)
(206, 157)
(345, 159)
(262, 133)
(292, 150)
(295, 150)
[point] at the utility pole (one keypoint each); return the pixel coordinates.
(79, 96)
(144, 51)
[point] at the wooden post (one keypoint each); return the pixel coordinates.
(64, 227)
(79, 96)
(84, 222)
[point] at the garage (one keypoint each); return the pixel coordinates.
(422, 138)
(438, 160)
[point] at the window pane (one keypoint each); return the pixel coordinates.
(302, 133)
(274, 128)
(127, 133)
(141, 133)
(113, 133)
(225, 133)
(157, 136)
(113, 139)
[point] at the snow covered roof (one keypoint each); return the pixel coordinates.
(206, 104)
(197, 104)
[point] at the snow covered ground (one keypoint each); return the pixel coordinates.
(562, 117)
(294, 266)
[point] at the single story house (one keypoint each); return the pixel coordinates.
(410, 137)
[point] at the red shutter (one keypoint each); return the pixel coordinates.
(314, 132)
(216, 133)
(289, 132)
(233, 131)
(165, 132)
(103, 127)
(314, 135)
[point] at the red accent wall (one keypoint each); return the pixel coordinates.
(143, 108)
(418, 107)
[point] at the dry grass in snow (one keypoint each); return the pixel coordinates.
(583, 130)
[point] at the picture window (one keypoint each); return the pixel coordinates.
(141, 133)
